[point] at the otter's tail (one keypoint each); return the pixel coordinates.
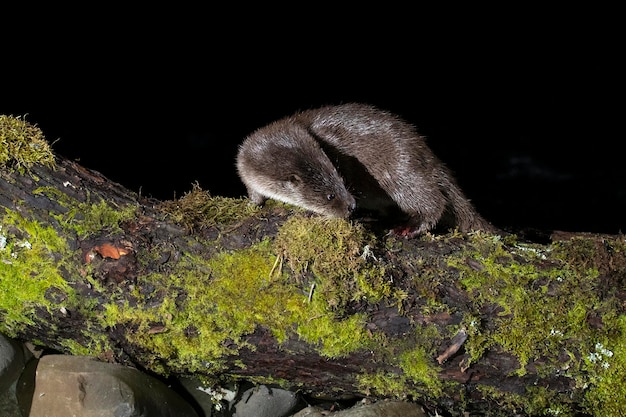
(464, 215)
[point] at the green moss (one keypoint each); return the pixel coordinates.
(418, 366)
(478, 340)
(417, 376)
(386, 384)
(317, 325)
(542, 401)
(197, 209)
(85, 218)
(22, 145)
(99, 216)
(29, 272)
(413, 371)
(336, 252)
(97, 345)
(537, 401)
(540, 308)
(185, 317)
(581, 253)
(33, 257)
(340, 256)
(545, 298)
(606, 365)
(207, 307)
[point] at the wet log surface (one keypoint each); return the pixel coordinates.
(445, 332)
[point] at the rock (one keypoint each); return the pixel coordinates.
(310, 411)
(26, 386)
(12, 361)
(263, 401)
(383, 409)
(13, 357)
(202, 394)
(82, 386)
(8, 403)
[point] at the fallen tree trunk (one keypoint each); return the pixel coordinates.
(209, 286)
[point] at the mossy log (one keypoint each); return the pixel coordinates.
(211, 286)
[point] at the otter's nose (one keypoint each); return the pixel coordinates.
(351, 206)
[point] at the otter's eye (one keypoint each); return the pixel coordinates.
(330, 197)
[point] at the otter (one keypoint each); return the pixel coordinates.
(337, 160)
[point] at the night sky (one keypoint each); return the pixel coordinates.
(524, 114)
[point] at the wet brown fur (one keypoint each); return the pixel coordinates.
(334, 159)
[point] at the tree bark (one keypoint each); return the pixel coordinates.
(206, 285)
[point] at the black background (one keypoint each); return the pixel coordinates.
(522, 105)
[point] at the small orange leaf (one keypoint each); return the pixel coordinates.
(106, 250)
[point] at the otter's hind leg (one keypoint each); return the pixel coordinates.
(424, 203)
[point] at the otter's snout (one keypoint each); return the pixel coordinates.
(350, 206)
(345, 208)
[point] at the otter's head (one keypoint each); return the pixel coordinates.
(315, 185)
(288, 165)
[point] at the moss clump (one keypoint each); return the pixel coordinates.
(197, 209)
(29, 272)
(22, 145)
(336, 252)
(326, 246)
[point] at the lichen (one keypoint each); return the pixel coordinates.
(22, 145)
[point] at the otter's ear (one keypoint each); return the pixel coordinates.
(294, 179)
